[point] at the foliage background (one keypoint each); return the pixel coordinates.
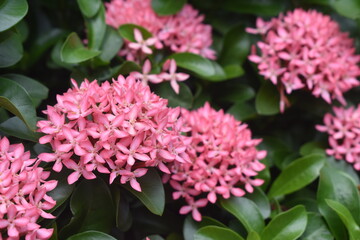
(307, 194)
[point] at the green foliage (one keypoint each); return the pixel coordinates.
(167, 7)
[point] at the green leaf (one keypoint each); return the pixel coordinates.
(346, 218)
(73, 51)
(111, 44)
(253, 236)
(233, 71)
(242, 111)
(183, 99)
(92, 207)
(316, 228)
(191, 226)
(91, 235)
(236, 46)
(37, 91)
(127, 32)
(15, 99)
(312, 147)
(267, 99)
(126, 68)
(287, 225)
(124, 218)
(195, 63)
(216, 233)
(152, 193)
(297, 175)
(11, 12)
(155, 237)
(167, 7)
(338, 186)
(347, 8)
(11, 49)
(261, 201)
(245, 211)
(256, 7)
(89, 7)
(237, 93)
(96, 28)
(16, 127)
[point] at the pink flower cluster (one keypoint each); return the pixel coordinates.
(223, 157)
(182, 32)
(117, 128)
(306, 50)
(23, 197)
(344, 134)
(172, 76)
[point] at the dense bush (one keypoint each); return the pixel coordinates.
(159, 119)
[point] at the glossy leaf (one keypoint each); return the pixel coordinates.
(96, 28)
(245, 211)
(191, 226)
(36, 90)
(242, 111)
(216, 233)
(124, 218)
(152, 193)
(73, 51)
(92, 207)
(15, 99)
(237, 93)
(16, 127)
(127, 67)
(89, 7)
(338, 186)
(111, 44)
(91, 235)
(297, 175)
(312, 147)
(261, 201)
(347, 8)
(287, 225)
(183, 99)
(233, 71)
(11, 49)
(127, 32)
(167, 7)
(155, 237)
(267, 99)
(316, 228)
(253, 236)
(346, 218)
(11, 12)
(257, 7)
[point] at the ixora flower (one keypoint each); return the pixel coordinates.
(344, 134)
(223, 160)
(306, 50)
(23, 194)
(117, 128)
(182, 32)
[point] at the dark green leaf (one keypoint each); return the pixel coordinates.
(316, 228)
(167, 7)
(152, 193)
(346, 218)
(347, 8)
(92, 207)
(96, 28)
(16, 128)
(237, 93)
(126, 68)
(253, 236)
(245, 211)
(89, 7)
(111, 44)
(191, 226)
(338, 186)
(287, 225)
(123, 214)
(11, 49)
(267, 99)
(220, 74)
(261, 201)
(14, 98)
(11, 12)
(298, 174)
(73, 51)
(37, 91)
(216, 233)
(312, 147)
(183, 99)
(127, 32)
(242, 111)
(233, 71)
(256, 7)
(91, 235)
(155, 237)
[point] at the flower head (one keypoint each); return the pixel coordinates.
(306, 50)
(23, 194)
(118, 129)
(182, 32)
(344, 134)
(223, 160)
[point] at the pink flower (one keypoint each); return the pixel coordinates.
(145, 77)
(306, 50)
(182, 32)
(143, 45)
(172, 76)
(223, 160)
(23, 193)
(117, 128)
(344, 134)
